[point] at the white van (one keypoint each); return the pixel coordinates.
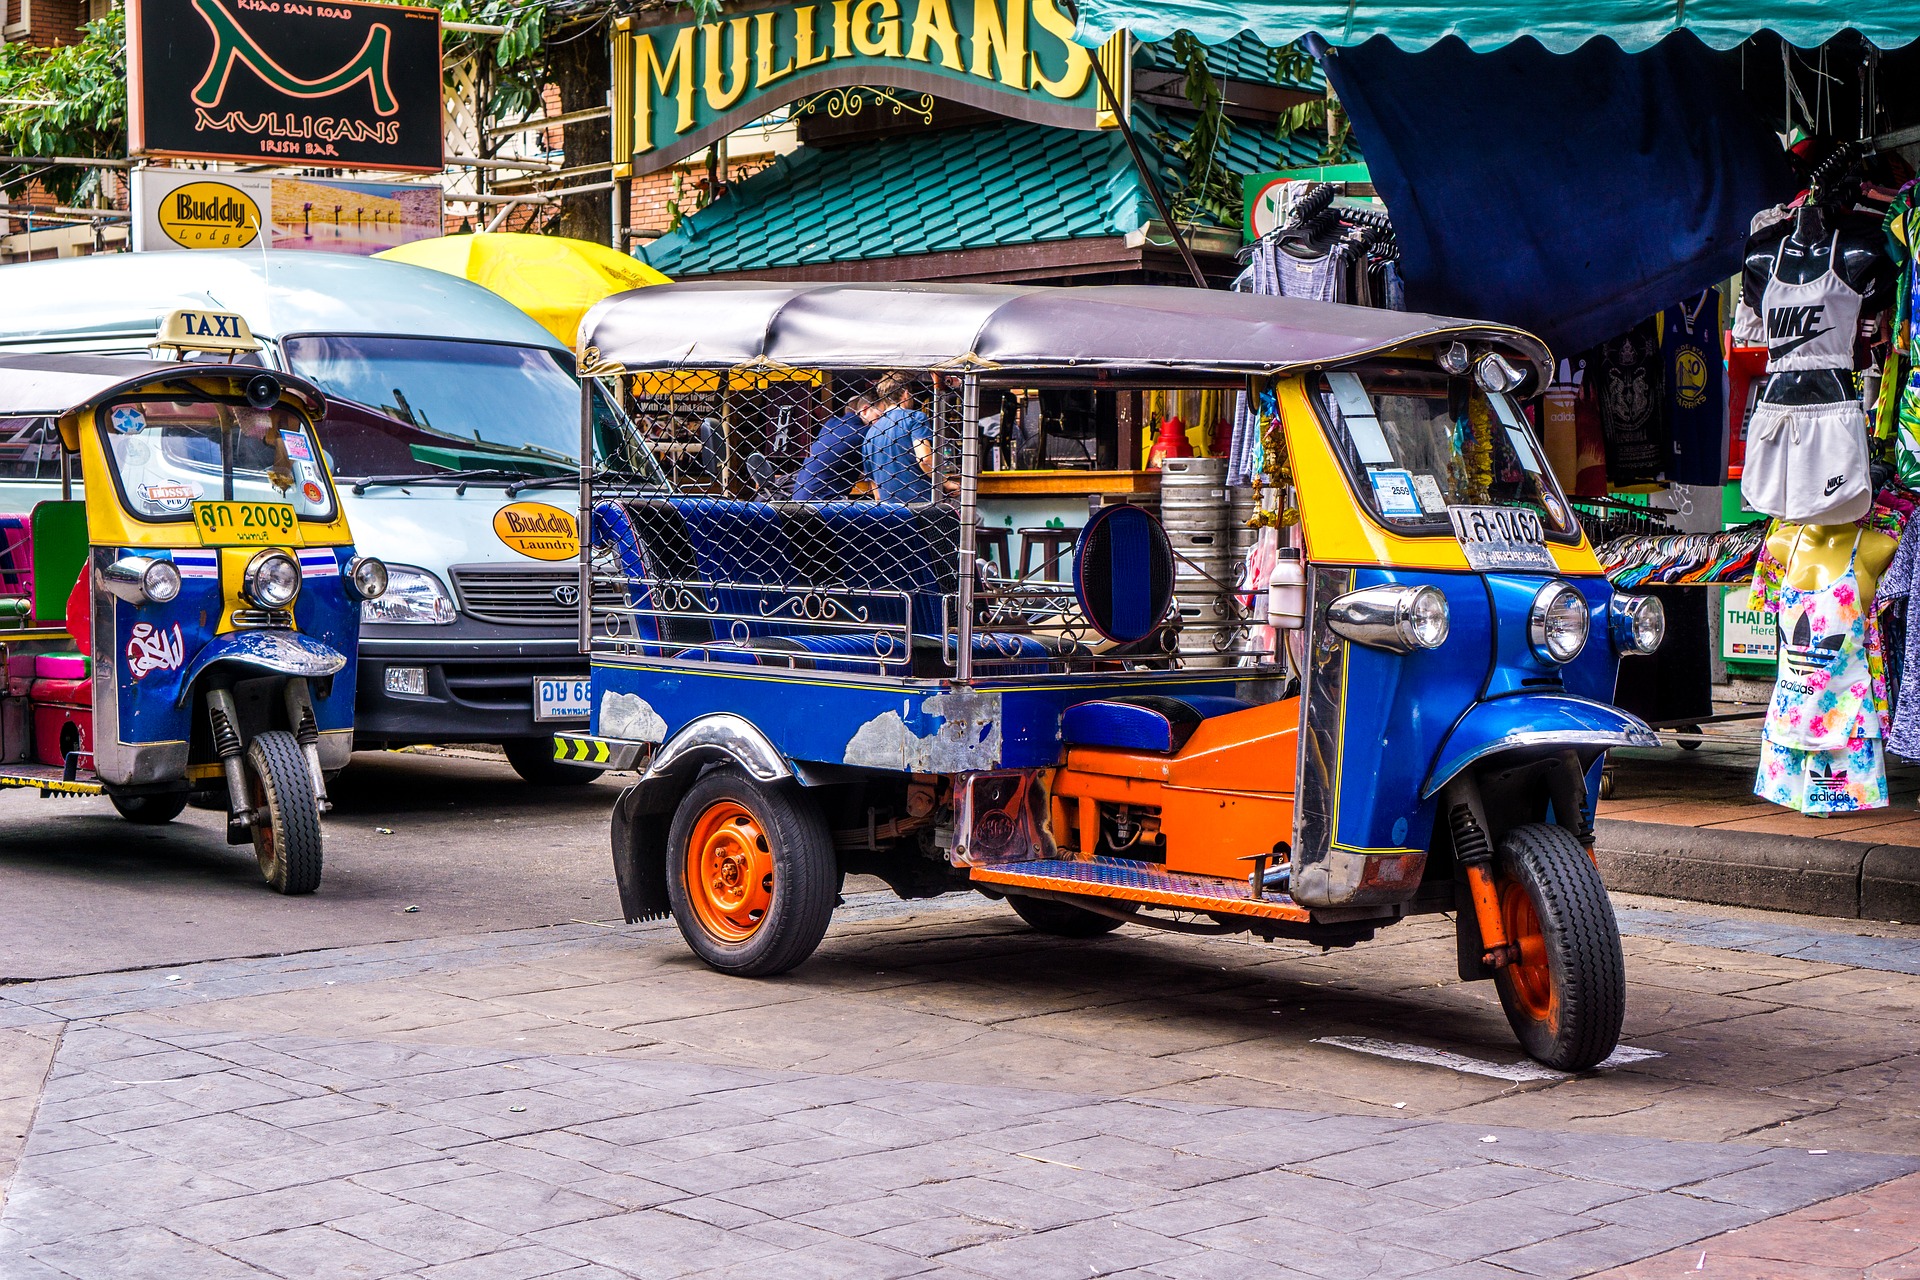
(455, 440)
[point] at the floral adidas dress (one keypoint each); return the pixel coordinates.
(1822, 750)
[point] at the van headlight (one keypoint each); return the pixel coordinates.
(1394, 617)
(272, 580)
(1639, 623)
(412, 596)
(1557, 623)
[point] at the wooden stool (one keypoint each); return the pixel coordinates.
(1053, 544)
(996, 547)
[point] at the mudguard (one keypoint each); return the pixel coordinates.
(1534, 722)
(287, 652)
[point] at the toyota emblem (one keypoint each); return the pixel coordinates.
(567, 594)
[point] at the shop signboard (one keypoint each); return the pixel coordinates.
(679, 87)
(338, 84)
(194, 209)
(1267, 196)
(1746, 634)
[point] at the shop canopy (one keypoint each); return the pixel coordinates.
(1633, 25)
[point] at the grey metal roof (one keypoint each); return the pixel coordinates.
(79, 301)
(721, 324)
(51, 386)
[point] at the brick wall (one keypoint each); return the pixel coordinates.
(649, 214)
(49, 22)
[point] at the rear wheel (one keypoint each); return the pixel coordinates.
(1566, 995)
(1061, 919)
(286, 821)
(150, 810)
(751, 874)
(532, 759)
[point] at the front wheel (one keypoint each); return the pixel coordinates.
(150, 810)
(751, 874)
(532, 759)
(1566, 995)
(286, 821)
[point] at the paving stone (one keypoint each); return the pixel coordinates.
(664, 1244)
(139, 1253)
(425, 1234)
(1335, 1255)
(524, 1262)
(1579, 1254)
(507, 1202)
(219, 1220)
(1468, 1232)
(1083, 1249)
(320, 1253)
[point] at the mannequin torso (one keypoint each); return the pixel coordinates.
(1816, 555)
(1802, 251)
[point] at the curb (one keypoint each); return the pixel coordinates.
(1751, 869)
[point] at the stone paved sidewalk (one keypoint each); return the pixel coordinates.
(939, 1093)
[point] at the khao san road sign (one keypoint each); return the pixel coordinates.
(680, 86)
(337, 84)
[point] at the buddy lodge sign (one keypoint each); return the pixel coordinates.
(678, 88)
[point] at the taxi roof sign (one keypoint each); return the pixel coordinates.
(189, 329)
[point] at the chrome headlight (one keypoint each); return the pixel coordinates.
(1639, 623)
(1494, 372)
(1557, 623)
(1399, 619)
(412, 596)
(272, 580)
(366, 578)
(139, 579)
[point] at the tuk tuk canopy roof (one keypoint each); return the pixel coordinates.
(52, 386)
(1143, 328)
(1489, 24)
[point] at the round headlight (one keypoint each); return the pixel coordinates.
(1557, 623)
(1494, 372)
(1453, 357)
(368, 577)
(161, 581)
(272, 580)
(1639, 624)
(1424, 622)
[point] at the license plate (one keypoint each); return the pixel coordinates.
(563, 699)
(246, 524)
(1499, 539)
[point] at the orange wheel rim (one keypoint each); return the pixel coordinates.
(1530, 975)
(729, 872)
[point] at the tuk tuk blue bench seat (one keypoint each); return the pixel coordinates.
(1142, 723)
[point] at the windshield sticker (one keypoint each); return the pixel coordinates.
(313, 493)
(297, 447)
(1432, 501)
(152, 649)
(172, 498)
(1353, 407)
(127, 420)
(1393, 492)
(538, 530)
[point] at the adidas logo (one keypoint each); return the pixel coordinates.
(1806, 653)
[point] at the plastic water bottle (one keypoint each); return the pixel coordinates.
(1287, 591)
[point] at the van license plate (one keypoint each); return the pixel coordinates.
(563, 699)
(1502, 539)
(246, 524)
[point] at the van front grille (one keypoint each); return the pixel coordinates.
(520, 597)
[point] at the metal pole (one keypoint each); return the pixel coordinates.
(1146, 176)
(585, 526)
(969, 501)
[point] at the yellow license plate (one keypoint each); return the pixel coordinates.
(246, 524)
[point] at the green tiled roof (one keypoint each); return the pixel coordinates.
(1241, 58)
(991, 185)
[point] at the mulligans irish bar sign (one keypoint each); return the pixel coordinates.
(679, 87)
(339, 84)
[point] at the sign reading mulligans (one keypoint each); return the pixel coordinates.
(339, 84)
(679, 87)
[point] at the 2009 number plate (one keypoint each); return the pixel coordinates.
(246, 524)
(563, 699)
(1500, 539)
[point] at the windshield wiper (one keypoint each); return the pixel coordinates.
(459, 479)
(541, 482)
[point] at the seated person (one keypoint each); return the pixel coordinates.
(832, 467)
(898, 449)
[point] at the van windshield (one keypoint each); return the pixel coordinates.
(1416, 442)
(451, 406)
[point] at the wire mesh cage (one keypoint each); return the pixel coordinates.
(829, 521)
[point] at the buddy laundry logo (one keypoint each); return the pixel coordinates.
(231, 44)
(538, 530)
(209, 215)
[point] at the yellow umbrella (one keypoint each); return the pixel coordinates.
(551, 278)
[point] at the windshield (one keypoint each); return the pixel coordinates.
(168, 454)
(1416, 442)
(464, 405)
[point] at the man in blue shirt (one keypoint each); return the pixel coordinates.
(832, 467)
(898, 449)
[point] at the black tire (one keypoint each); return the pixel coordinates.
(1567, 996)
(150, 810)
(286, 822)
(782, 857)
(1061, 919)
(1690, 744)
(532, 759)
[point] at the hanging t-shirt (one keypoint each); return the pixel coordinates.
(1694, 373)
(1631, 401)
(1589, 441)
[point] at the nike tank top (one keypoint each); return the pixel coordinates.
(1810, 325)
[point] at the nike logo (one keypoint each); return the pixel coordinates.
(1834, 484)
(1782, 348)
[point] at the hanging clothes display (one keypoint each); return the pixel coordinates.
(1903, 732)
(1821, 749)
(1630, 401)
(1695, 375)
